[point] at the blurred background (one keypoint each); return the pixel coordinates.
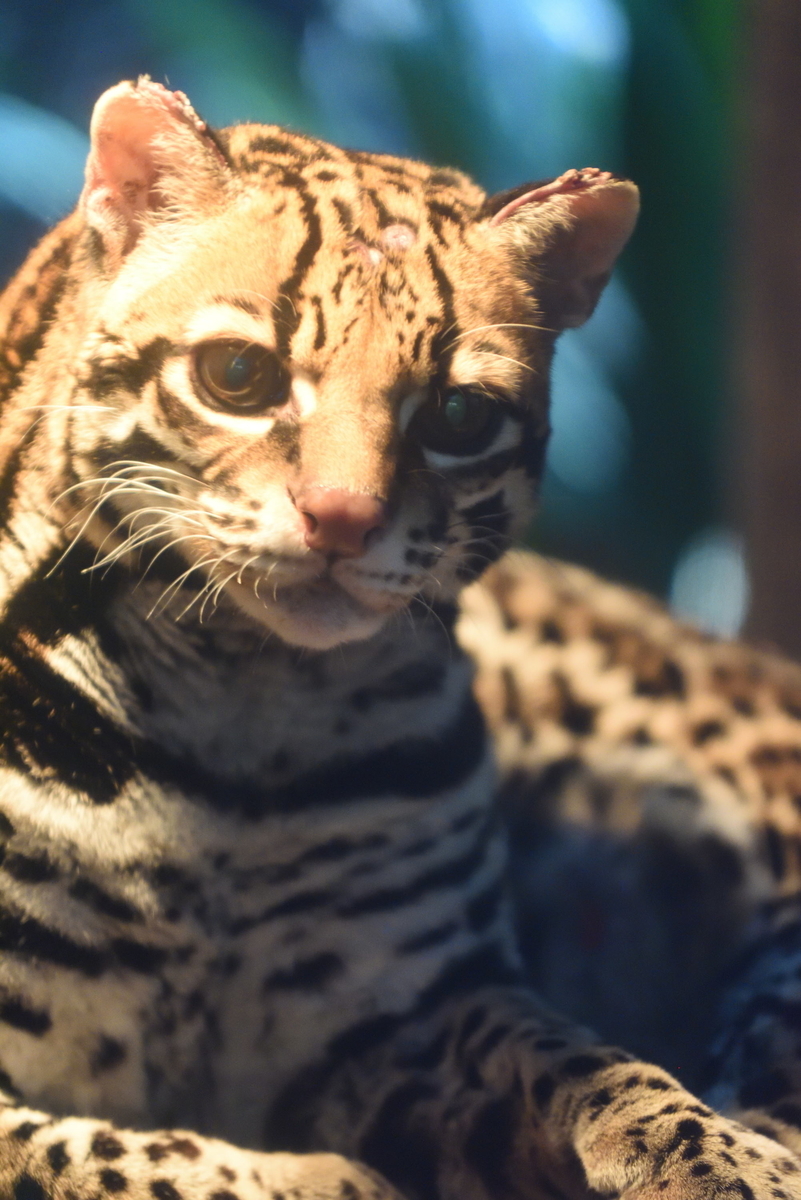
(661, 472)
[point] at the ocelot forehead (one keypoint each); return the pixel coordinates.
(353, 265)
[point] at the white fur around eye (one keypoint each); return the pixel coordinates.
(227, 321)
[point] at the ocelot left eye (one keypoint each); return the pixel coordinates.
(459, 421)
(240, 377)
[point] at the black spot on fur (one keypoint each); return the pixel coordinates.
(106, 1146)
(29, 939)
(113, 1181)
(579, 718)
(25, 1131)
(16, 1012)
(102, 902)
(666, 680)
(705, 731)
(58, 1157)
(108, 1053)
(444, 875)
(430, 937)
(35, 868)
(582, 1065)
(27, 1188)
(162, 1189)
(138, 957)
(307, 974)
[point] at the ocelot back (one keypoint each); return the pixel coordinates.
(268, 406)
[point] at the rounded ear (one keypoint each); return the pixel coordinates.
(149, 151)
(569, 232)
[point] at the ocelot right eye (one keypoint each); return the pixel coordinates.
(240, 377)
(460, 421)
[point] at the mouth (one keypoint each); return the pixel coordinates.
(317, 613)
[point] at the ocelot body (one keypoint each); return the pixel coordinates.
(268, 406)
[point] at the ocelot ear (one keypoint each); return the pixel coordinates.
(149, 152)
(568, 233)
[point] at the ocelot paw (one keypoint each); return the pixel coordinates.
(661, 1143)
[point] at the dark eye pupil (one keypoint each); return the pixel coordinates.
(455, 410)
(241, 377)
(238, 372)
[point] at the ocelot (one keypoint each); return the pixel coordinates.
(268, 407)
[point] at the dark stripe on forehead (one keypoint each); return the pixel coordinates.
(319, 337)
(287, 317)
(385, 217)
(444, 339)
(272, 144)
(448, 211)
(377, 160)
(336, 290)
(344, 213)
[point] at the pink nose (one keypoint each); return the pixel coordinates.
(338, 521)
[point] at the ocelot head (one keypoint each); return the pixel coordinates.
(314, 380)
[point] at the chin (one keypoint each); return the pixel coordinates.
(318, 615)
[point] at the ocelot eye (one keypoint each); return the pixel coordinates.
(459, 421)
(240, 377)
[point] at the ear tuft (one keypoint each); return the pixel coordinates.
(569, 231)
(146, 144)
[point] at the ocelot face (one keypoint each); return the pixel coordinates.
(316, 383)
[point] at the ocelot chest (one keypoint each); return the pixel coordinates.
(223, 927)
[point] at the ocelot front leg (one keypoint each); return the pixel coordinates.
(755, 1067)
(499, 1098)
(78, 1158)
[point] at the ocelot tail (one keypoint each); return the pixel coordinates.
(268, 406)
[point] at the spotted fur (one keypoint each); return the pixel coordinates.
(651, 777)
(253, 902)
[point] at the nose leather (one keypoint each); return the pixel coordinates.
(338, 521)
